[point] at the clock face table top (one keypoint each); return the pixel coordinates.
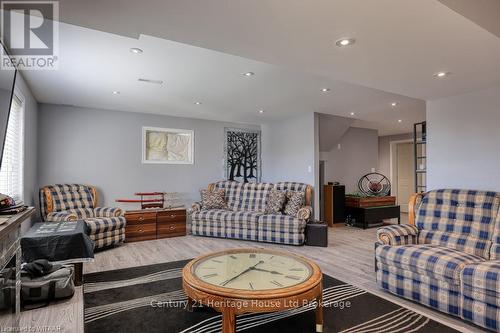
(253, 280)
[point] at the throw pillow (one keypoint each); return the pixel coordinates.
(215, 199)
(275, 201)
(295, 200)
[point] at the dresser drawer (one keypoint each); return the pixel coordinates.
(172, 216)
(141, 218)
(140, 230)
(171, 229)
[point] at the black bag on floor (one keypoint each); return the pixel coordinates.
(44, 282)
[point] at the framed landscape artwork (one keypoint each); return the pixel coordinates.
(167, 145)
(242, 161)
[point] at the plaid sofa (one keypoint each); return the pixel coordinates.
(70, 202)
(448, 257)
(245, 217)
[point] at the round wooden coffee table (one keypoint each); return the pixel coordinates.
(253, 280)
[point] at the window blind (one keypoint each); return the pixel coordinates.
(11, 171)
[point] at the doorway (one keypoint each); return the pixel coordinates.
(402, 173)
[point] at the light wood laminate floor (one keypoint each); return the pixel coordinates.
(349, 257)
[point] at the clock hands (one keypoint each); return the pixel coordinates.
(245, 271)
(265, 270)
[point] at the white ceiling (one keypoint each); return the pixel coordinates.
(400, 43)
(93, 64)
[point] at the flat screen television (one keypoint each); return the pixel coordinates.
(7, 81)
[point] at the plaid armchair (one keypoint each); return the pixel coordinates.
(448, 257)
(70, 202)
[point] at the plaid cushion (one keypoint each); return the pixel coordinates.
(281, 224)
(245, 196)
(107, 212)
(481, 314)
(466, 216)
(434, 261)
(398, 234)
(99, 225)
(61, 216)
(457, 241)
(233, 192)
(82, 213)
(215, 228)
(271, 236)
(107, 234)
(495, 248)
(291, 186)
(108, 241)
(69, 196)
(431, 292)
(481, 281)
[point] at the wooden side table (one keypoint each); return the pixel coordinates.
(148, 224)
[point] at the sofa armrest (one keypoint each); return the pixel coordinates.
(61, 217)
(397, 234)
(107, 212)
(196, 207)
(304, 213)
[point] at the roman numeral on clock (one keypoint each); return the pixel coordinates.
(296, 269)
(210, 275)
(276, 283)
(233, 257)
(217, 261)
(292, 277)
(252, 255)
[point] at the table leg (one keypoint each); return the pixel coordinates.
(228, 320)
(78, 277)
(319, 315)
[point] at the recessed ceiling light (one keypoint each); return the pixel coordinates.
(400, 120)
(325, 90)
(352, 113)
(261, 111)
(345, 42)
(441, 75)
(394, 104)
(136, 50)
(249, 74)
(197, 103)
(150, 81)
(116, 92)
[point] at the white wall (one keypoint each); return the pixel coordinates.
(464, 140)
(103, 148)
(288, 149)
(357, 155)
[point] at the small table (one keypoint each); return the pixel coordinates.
(373, 216)
(59, 242)
(251, 281)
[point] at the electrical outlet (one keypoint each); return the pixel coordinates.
(309, 169)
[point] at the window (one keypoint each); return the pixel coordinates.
(11, 172)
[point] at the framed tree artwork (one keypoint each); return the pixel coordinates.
(242, 161)
(167, 146)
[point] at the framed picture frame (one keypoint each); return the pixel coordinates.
(167, 146)
(242, 155)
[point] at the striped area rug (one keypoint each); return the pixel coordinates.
(150, 299)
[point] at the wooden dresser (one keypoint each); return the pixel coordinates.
(150, 224)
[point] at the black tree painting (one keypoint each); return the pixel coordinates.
(242, 155)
